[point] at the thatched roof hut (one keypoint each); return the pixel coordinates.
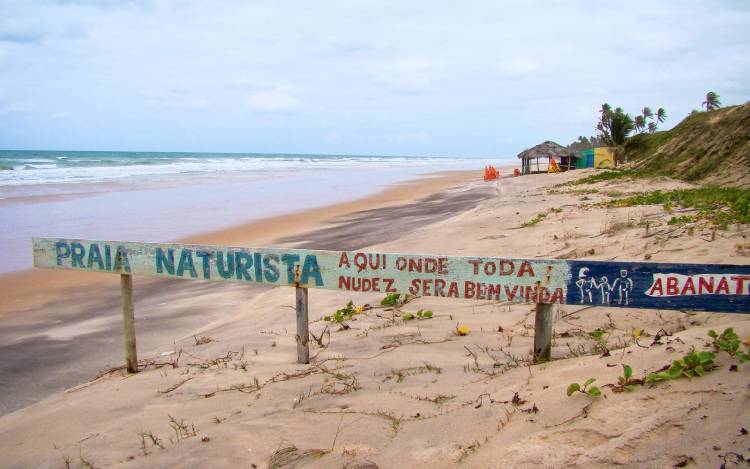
(563, 156)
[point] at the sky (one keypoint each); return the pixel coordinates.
(434, 78)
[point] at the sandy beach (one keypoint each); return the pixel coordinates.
(220, 387)
(429, 235)
(66, 326)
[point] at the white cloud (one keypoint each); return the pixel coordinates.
(272, 101)
(413, 77)
(15, 107)
(407, 75)
(196, 104)
(418, 137)
(175, 100)
(333, 137)
(518, 68)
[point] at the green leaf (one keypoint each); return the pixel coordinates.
(712, 333)
(699, 370)
(706, 358)
(407, 316)
(594, 391)
(654, 377)
(427, 314)
(629, 387)
(743, 357)
(390, 300)
(589, 381)
(673, 373)
(573, 388)
(628, 371)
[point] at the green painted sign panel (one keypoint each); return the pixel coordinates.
(697, 287)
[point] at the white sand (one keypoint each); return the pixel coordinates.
(415, 394)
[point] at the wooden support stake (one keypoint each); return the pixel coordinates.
(128, 322)
(303, 334)
(545, 316)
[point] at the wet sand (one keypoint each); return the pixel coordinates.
(60, 328)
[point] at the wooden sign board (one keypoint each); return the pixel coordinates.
(693, 287)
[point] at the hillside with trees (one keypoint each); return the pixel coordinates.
(709, 146)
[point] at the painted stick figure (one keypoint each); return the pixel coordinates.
(605, 289)
(623, 286)
(593, 285)
(583, 285)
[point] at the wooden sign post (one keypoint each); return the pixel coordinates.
(543, 330)
(128, 322)
(544, 282)
(303, 332)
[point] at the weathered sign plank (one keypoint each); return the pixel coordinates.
(696, 287)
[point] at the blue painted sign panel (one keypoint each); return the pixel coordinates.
(694, 287)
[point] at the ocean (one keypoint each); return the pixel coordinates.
(159, 197)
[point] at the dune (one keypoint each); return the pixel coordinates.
(384, 392)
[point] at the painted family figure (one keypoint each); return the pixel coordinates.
(622, 286)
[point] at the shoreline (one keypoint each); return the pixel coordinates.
(164, 210)
(18, 287)
(45, 312)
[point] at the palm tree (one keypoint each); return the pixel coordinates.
(604, 121)
(639, 123)
(621, 124)
(661, 115)
(651, 127)
(647, 114)
(614, 126)
(712, 101)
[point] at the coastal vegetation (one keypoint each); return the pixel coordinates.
(712, 101)
(719, 206)
(693, 364)
(711, 146)
(728, 341)
(602, 176)
(615, 126)
(585, 388)
(705, 145)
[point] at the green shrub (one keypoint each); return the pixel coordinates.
(592, 391)
(730, 343)
(421, 314)
(691, 365)
(720, 206)
(396, 299)
(342, 315)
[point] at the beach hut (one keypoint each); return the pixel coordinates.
(585, 159)
(565, 158)
(602, 157)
